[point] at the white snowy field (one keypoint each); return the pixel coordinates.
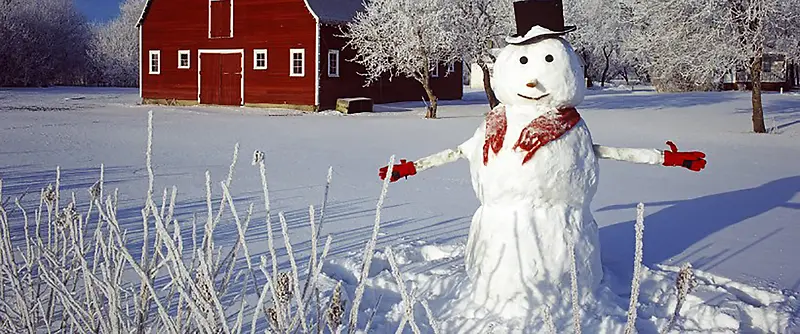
(738, 219)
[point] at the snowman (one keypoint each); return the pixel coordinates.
(534, 168)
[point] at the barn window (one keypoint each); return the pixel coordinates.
(451, 68)
(434, 70)
(297, 65)
(333, 63)
(260, 59)
(220, 18)
(183, 59)
(155, 62)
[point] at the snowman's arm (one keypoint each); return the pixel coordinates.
(438, 159)
(635, 155)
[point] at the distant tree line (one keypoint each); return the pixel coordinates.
(680, 45)
(48, 42)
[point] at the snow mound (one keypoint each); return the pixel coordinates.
(435, 273)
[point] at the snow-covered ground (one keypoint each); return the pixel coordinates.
(738, 219)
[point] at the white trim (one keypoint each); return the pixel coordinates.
(150, 61)
(434, 70)
(232, 29)
(451, 68)
(230, 33)
(293, 52)
(222, 51)
(257, 52)
(188, 54)
(318, 50)
(332, 52)
(141, 68)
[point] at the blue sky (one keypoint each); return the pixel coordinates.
(99, 10)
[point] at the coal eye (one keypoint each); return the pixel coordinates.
(523, 60)
(548, 58)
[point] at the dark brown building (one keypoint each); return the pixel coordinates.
(263, 53)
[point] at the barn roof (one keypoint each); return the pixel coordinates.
(336, 11)
(328, 11)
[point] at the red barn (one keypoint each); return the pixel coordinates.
(263, 53)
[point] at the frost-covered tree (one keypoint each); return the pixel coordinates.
(682, 45)
(482, 26)
(43, 43)
(598, 40)
(758, 27)
(405, 38)
(115, 47)
(687, 45)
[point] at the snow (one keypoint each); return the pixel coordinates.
(735, 222)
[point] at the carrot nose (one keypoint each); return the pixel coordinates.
(532, 84)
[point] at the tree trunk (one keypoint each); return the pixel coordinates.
(431, 113)
(487, 85)
(607, 56)
(758, 108)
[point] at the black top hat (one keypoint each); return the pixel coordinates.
(538, 18)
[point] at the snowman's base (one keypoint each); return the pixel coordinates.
(716, 305)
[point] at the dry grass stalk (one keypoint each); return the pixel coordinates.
(369, 251)
(548, 320)
(630, 326)
(684, 284)
(408, 298)
(335, 311)
(576, 309)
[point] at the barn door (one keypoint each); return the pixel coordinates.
(221, 78)
(220, 19)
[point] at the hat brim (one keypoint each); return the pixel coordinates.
(537, 33)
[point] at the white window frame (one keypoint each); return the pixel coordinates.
(156, 53)
(434, 70)
(332, 53)
(188, 55)
(302, 53)
(451, 68)
(258, 52)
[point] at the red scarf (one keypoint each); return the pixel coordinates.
(538, 133)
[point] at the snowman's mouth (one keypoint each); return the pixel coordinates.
(533, 98)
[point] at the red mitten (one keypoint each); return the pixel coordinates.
(404, 169)
(690, 160)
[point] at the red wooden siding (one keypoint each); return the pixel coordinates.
(275, 25)
(350, 83)
(221, 78)
(220, 18)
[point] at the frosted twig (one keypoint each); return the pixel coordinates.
(295, 278)
(630, 326)
(576, 310)
(431, 318)
(325, 200)
(548, 320)
(372, 314)
(242, 229)
(369, 252)
(228, 181)
(408, 299)
(684, 284)
(259, 159)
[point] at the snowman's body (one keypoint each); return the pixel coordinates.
(518, 250)
(518, 245)
(535, 213)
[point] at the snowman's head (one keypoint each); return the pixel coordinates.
(546, 72)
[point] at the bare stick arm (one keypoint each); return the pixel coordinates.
(636, 155)
(438, 159)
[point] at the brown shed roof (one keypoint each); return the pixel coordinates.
(328, 11)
